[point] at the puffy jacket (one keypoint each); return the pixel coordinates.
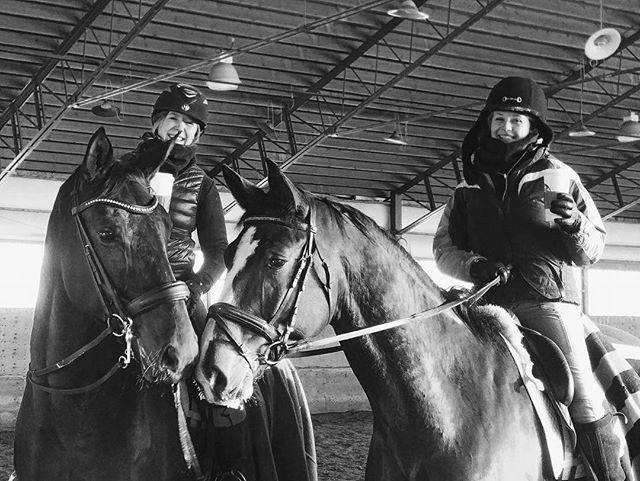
(195, 207)
(477, 223)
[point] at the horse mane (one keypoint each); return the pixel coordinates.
(343, 213)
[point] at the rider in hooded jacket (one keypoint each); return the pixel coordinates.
(494, 225)
(195, 207)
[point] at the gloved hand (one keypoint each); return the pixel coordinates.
(566, 208)
(196, 291)
(154, 147)
(484, 271)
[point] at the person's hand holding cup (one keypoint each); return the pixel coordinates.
(556, 181)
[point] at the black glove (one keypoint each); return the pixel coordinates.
(566, 208)
(484, 271)
(196, 291)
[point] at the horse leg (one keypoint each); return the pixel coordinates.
(380, 465)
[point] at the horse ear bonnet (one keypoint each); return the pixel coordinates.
(184, 99)
(514, 94)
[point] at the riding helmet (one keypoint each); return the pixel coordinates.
(184, 99)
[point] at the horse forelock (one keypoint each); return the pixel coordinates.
(244, 248)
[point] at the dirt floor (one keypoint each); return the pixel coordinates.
(342, 442)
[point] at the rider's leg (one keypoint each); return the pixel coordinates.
(561, 322)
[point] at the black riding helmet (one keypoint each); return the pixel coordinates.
(184, 99)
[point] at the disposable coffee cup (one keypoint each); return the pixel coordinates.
(555, 182)
(162, 185)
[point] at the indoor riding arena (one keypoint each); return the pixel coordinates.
(366, 109)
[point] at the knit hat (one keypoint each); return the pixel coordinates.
(184, 99)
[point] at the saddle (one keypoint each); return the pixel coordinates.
(549, 386)
(549, 365)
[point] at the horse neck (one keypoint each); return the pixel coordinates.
(404, 371)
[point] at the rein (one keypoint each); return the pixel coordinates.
(313, 348)
(118, 317)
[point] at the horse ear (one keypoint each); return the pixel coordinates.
(99, 155)
(284, 191)
(246, 193)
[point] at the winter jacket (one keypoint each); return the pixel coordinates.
(510, 228)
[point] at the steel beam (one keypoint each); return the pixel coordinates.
(306, 28)
(316, 87)
(41, 75)
(88, 82)
(613, 102)
(621, 209)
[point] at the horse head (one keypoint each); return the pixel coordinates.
(123, 235)
(272, 261)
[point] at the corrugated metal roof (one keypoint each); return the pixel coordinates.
(331, 67)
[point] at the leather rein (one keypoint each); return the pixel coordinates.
(117, 316)
(279, 345)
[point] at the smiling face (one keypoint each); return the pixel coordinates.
(176, 123)
(509, 126)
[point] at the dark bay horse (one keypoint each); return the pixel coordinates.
(107, 295)
(444, 395)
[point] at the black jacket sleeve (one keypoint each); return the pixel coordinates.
(212, 234)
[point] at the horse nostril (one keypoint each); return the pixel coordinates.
(220, 383)
(170, 358)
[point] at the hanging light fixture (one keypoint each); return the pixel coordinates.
(106, 109)
(630, 128)
(582, 130)
(397, 137)
(603, 43)
(223, 75)
(407, 9)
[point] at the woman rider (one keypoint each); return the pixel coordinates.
(235, 445)
(496, 219)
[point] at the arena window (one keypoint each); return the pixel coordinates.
(613, 289)
(20, 273)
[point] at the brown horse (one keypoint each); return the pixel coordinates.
(107, 295)
(443, 391)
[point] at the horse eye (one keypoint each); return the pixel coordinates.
(107, 235)
(276, 263)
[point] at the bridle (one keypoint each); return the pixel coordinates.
(277, 340)
(117, 315)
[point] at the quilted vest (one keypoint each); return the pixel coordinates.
(184, 204)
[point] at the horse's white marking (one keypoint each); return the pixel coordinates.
(246, 247)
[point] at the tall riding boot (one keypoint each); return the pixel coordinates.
(601, 446)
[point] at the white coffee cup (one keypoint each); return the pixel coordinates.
(162, 185)
(556, 181)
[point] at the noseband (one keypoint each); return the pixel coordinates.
(118, 316)
(222, 312)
